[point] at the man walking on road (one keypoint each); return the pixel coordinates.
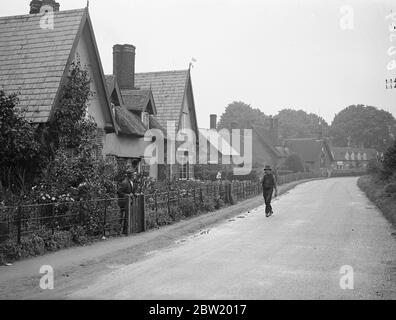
(269, 185)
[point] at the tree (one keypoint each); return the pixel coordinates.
(389, 162)
(242, 115)
(359, 126)
(76, 167)
(19, 152)
(294, 163)
(299, 124)
(71, 124)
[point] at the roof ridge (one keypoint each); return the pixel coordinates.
(164, 71)
(40, 14)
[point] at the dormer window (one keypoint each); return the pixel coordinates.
(146, 119)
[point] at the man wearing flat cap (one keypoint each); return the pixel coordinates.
(126, 188)
(269, 185)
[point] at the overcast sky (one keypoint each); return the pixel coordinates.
(269, 54)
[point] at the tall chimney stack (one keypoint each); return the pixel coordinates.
(35, 5)
(124, 65)
(213, 122)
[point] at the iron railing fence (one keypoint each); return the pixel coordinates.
(102, 217)
(98, 217)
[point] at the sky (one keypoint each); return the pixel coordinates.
(318, 56)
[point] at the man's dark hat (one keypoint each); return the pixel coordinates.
(267, 168)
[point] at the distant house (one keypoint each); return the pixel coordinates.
(134, 111)
(174, 100)
(35, 63)
(315, 153)
(264, 145)
(265, 151)
(349, 158)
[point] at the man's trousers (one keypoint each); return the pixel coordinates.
(267, 193)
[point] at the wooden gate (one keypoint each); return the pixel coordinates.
(137, 217)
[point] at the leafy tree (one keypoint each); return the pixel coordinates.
(77, 167)
(242, 115)
(294, 163)
(363, 126)
(71, 123)
(19, 152)
(299, 124)
(389, 162)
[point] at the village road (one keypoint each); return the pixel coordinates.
(321, 232)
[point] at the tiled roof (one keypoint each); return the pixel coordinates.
(33, 59)
(154, 124)
(168, 89)
(340, 153)
(135, 100)
(128, 123)
(263, 136)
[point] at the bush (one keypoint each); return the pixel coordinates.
(219, 203)
(187, 208)
(208, 205)
(389, 162)
(79, 235)
(391, 187)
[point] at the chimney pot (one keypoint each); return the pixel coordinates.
(124, 65)
(213, 121)
(36, 5)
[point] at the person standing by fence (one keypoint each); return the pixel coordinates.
(127, 187)
(269, 185)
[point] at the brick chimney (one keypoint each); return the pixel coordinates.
(35, 5)
(124, 65)
(213, 121)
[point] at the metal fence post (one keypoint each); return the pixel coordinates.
(53, 218)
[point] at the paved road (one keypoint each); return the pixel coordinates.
(318, 228)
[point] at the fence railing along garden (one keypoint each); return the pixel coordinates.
(98, 218)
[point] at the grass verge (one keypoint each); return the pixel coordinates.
(380, 194)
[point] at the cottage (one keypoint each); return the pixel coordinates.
(134, 111)
(36, 60)
(349, 158)
(315, 153)
(174, 100)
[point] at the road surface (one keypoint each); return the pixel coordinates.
(319, 229)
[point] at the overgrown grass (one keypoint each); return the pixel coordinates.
(382, 194)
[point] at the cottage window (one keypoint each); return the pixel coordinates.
(184, 171)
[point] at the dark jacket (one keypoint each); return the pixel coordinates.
(125, 188)
(268, 182)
